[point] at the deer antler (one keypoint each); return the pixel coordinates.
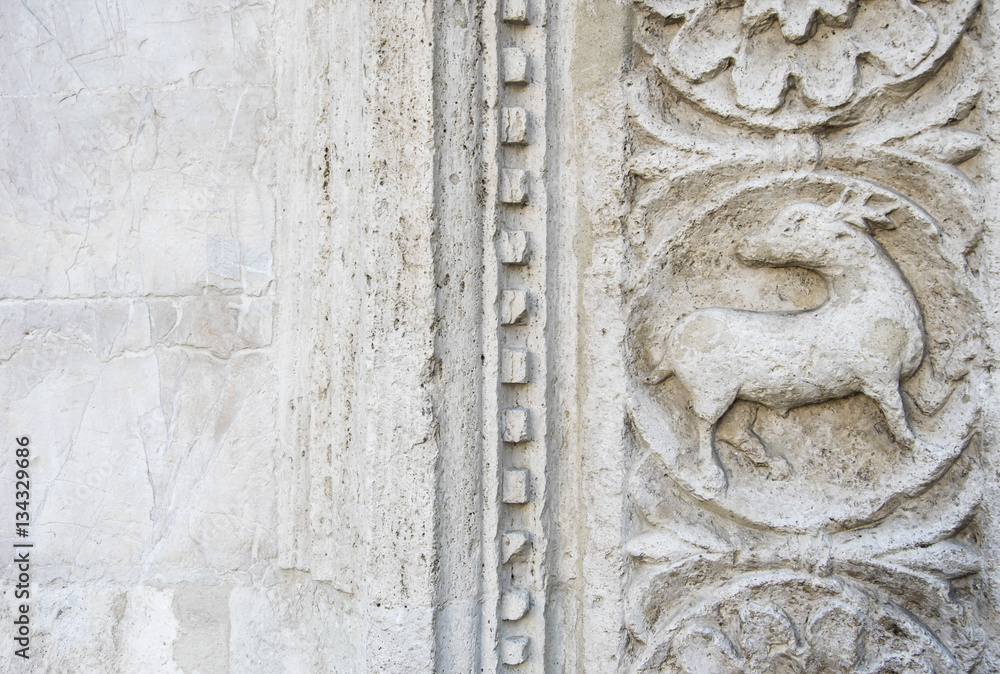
(857, 210)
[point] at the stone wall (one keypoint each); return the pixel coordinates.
(514, 335)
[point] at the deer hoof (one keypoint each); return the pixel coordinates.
(780, 469)
(710, 482)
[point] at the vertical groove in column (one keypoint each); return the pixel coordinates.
(458, 375)
(491, 454)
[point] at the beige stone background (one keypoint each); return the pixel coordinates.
(145, 220)
(241, 321)
(218, 326)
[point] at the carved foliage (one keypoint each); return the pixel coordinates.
(790, 622)
(797, 63)
(803, 335)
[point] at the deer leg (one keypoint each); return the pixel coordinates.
(708, 412)
(711, 478)
(889, 400)
(748, 442)
(745, 439)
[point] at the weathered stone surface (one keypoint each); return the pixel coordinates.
(526, 336)
(784, 442)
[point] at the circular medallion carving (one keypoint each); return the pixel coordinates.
(802, 352)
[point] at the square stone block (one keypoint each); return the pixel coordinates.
(514, 186)
(514, 246)
(515, 604)
(514, 126)
(514, 650)
(515, 11)
(515, 66)
(514, 307)
(516, 486)
(516, 425)
(514, 366)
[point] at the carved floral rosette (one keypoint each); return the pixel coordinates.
(783, 621)
(798, 64)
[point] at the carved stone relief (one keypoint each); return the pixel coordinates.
(812, 457)
(515, 238)
(795, 65)
(781, 621)
(804, 331)
(806, 308)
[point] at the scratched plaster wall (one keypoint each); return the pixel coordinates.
(213, 216)
(137, 285)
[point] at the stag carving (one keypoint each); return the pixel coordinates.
(864, 338)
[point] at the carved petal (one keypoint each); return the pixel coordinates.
(947, 559)
(896, 34)
(660, 546)
(797, 17)
(762, 72)
(835, 633)
(827, 71)
(756, 13)
(765, 626)
(951, 146)
(671, 9)
(837, 12)
(705, 43)
(707, 649)
(898, 663)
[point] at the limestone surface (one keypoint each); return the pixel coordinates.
(516, 336)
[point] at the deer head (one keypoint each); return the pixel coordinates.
(811, 235)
